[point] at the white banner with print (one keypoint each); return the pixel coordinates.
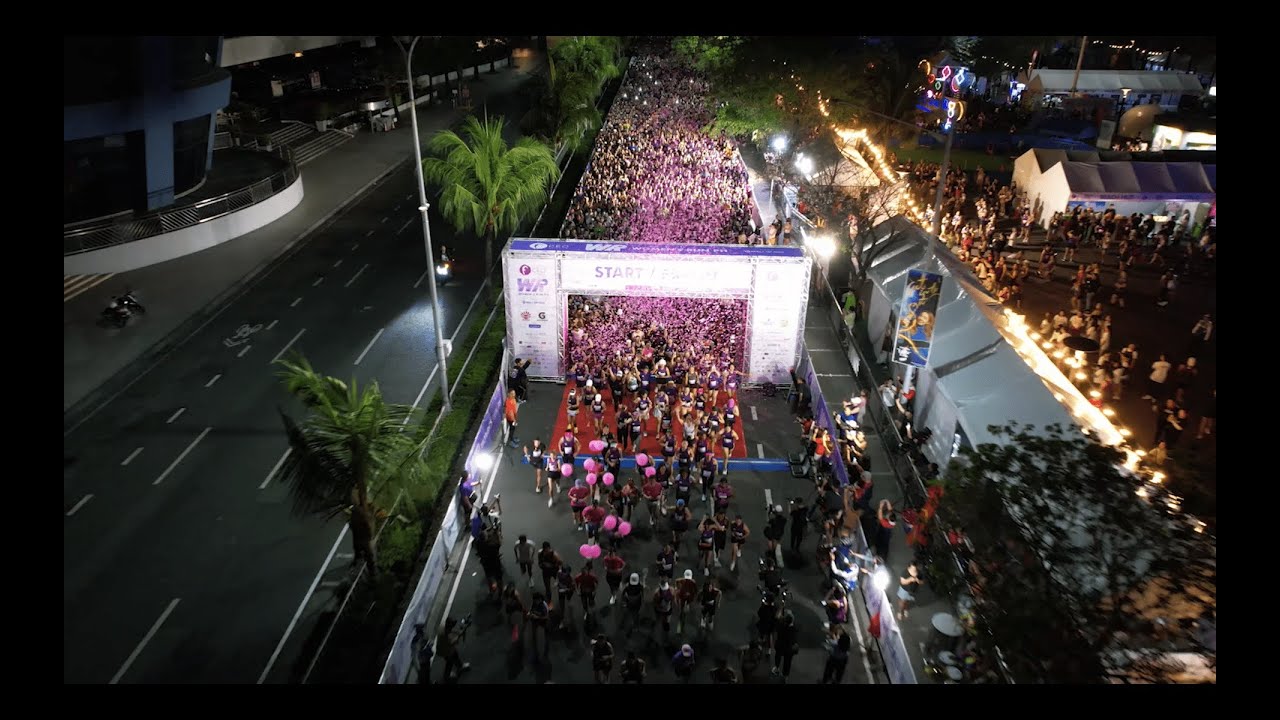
(629, 276)
(533, 313)
(777, 319)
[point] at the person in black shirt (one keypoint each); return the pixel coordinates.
(799, 518)
(632, 670)
(786, 645)
(602, 658)
(519, 379)
(833, 673)
(722, 674)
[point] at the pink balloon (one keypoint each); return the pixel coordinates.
(642, 459)
(624, 528)
(590, 465)
(595, 551)
(596, 445)
(591, 478)
(650, 471)
(611, 522)
(585, 551)
(608, 478)
(566, 470)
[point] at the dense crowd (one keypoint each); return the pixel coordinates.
(655, 175)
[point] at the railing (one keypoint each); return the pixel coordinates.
(96, 235)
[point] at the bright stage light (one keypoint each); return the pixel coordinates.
(823, 246)
(880, 579)
(780, 143)
(482, 462)
(804, 164)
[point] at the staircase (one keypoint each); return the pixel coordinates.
(305, 142)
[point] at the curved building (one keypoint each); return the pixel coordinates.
(138, 117)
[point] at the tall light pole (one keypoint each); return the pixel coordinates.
(424, 207)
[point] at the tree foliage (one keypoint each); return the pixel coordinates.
(349, 455)
(1081, 578)
(487, 186)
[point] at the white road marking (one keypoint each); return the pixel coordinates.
(368, 233)
(370, 345)
(213, 380)
(330, 584)
(245, 350)
(74, 285)
(274, 468)
(406, 224)
(80, 504)
(132, 455)
(409, 196)
(353, 247)
(384, 219)
(174, 464)
(816, 349)
(295, 302)
(175, 415)
(353, 277)
(768, 497)
(754, 415)
(345, 556)
(287, 346)
(339, 262)
(421, 277)
(833, 374)
(760, 449)
(317, 282)
(273, 322)
(302, 606)
(145, 639)
(423, 391)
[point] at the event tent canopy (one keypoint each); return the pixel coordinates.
(1113, 81)
(1152, 181)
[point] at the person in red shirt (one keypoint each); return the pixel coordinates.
(586, 582)
(630, 495)
(652, 492)
(593, 516)
(578, 495)
(613, 567)
(510, 412)
(686, 596)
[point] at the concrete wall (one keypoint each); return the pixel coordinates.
(250, 48)
(157, 249)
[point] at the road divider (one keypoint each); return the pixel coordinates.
(132, 455)
(145, 639)
(370, 345)
(179, 459)
(286, 347)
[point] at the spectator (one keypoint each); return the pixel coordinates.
(837, 659)
(1156, 380)
(511, 410)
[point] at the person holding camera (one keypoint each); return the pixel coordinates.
(447, 648)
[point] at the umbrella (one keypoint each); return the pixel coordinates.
(1081, 343)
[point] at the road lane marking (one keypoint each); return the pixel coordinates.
(302, 606)
(145, 639)
(384, 219)
(132, 455)
(175, 415)
(273, 322)
(274, 468)
(353, 277)
(174, 464)
(760, 449)
(245, 350)
(345, 556)
(421, 277)
(317, 282)
(768, 497)
(339, 262)
(395, 209)
(422, 392)
(368, 233)
(370, 345)
(406, 224)
(295, 302)
(754, 416)
(353, 247)
(80, 504)
(213, 380)
(287, 346)
(409, 196)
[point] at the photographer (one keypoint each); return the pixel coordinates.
(800, 396)
(518, 379)
(799, 519)
(786, 645)
(447, 648)
(773, 532)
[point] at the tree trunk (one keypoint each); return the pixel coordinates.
(361, 524)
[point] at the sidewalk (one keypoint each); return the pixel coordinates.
(183, 294)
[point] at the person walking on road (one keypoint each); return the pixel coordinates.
(682, 663)
(549, 562)
(787, 645)
(837, 660)
(1156, 380)
(633, 670)
(524, 557)
(602, 658)
(510, 411)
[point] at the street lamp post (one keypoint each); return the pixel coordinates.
(424, 207)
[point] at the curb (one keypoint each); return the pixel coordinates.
(117, 384)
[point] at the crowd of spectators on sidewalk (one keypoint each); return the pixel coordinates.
(655, 175)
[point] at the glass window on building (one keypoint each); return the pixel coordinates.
(97, 179)
(190, 153)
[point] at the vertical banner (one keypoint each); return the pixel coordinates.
(917, 319)
(777, 319)
(533, 315)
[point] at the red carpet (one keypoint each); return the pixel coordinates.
(649, 445)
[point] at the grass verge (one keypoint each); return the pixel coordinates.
(361, 639)
(963, 159)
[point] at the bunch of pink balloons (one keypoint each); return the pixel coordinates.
(650, 472)
(624, 528)
(589, 551)
(641, 459)
(611, 522)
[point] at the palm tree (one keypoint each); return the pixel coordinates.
(593, 56)
(576, 115)
(487, 186)
(347, 454)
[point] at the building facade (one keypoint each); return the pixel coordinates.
(138, 116)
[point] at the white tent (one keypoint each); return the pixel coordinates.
(975, 379)
(1169, 86)
(1033, 163)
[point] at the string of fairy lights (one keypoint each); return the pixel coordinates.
(1055, 367)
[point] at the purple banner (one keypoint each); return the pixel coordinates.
(824, 419)
(490, 425)
(582, 246)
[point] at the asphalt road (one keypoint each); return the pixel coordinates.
(179, 566)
